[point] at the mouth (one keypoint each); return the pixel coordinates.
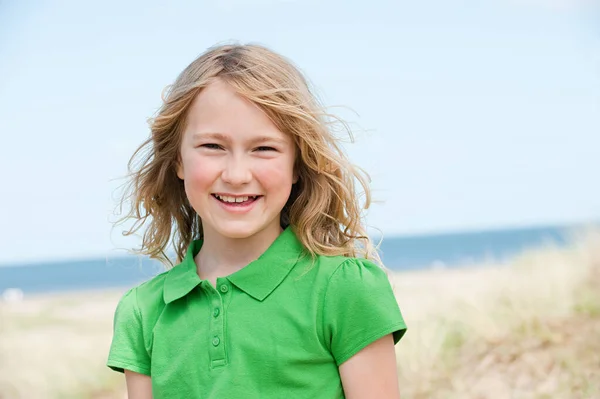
(237, 200)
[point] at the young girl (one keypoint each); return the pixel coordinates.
(276, 292)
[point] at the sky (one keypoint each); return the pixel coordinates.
(467, 115)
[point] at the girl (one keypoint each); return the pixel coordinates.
(276, 292)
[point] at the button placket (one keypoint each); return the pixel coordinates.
(217, 326)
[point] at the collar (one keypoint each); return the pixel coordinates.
(258, 279)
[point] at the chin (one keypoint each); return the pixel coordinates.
(240, 231)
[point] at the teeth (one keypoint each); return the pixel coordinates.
(226, 198)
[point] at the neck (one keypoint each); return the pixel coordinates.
(221, 256)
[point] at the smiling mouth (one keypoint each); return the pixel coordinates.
(237, 200)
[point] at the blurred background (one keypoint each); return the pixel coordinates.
(479, 125)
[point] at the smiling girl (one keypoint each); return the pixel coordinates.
(276, 291)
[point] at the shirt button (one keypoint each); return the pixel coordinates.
(216, 341)
(216, 312)
(224, 288)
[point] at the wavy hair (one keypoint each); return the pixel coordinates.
(324, 207)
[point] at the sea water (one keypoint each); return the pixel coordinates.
(398, 253)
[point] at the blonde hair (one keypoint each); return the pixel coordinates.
(323, 207)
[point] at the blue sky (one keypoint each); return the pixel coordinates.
(468, 115)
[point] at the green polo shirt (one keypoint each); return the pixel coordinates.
(278, 328)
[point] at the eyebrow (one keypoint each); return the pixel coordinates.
(226, 138)
(214, 136)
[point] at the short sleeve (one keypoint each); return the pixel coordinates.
(359, 308)
(127, 350)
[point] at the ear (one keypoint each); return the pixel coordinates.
(296, 170)
(179, 169)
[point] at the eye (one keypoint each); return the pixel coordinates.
(265, 148)
(211, 146)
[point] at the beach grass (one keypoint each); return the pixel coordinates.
(529, 328)
(524, 328)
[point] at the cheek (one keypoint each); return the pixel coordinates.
(199, 173)
(275, 175)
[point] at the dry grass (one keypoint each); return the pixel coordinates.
(55, 347)
(530, 329)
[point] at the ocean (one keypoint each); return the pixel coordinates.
(398, 253)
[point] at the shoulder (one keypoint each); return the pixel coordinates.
(342, 267)
(153, 289)
(144, 298)
(342, 276)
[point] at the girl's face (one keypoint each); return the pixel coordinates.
(237, 167)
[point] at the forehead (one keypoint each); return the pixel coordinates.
(219, 109)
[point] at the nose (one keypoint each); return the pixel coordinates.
(236, 172)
